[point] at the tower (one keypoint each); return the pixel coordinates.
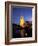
(22, 22)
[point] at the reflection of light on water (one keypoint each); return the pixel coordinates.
(22, 33)
(25, 34)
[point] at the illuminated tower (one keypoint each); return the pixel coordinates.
(22, 24)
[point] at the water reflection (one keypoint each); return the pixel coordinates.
(19, 32)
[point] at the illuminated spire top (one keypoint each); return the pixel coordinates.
(22, 22)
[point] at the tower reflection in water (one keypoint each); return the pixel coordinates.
(22, 24)
(24, 29)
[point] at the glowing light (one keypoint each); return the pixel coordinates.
(22, 22)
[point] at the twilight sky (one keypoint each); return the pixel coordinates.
(17, 12)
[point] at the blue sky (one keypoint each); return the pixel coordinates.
(17, 12)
